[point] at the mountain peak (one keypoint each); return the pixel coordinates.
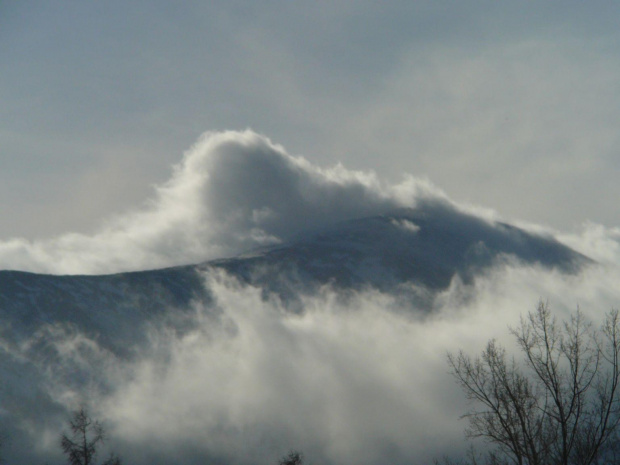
(425, 247)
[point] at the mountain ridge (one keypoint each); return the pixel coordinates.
(402, 251)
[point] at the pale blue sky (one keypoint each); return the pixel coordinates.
(510, 105)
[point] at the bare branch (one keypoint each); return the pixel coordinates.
(561, 405)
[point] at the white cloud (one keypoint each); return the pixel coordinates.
(232, 191)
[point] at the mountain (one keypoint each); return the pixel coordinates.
(425, 247)
(412, 251)
(66, 338)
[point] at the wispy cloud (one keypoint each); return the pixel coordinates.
(232, 191)
(348, 379)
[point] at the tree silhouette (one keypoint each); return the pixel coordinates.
(86, 435)
(561, 405)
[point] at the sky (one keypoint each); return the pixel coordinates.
(512, 106)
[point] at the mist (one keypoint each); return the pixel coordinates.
(352, 378)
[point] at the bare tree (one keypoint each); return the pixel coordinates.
(561, 405)
(86, 435)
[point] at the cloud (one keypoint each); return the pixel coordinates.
(356, 380)
(360, 378)
(341, 381)
(232, 191)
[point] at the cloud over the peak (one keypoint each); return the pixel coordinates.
(231, 192)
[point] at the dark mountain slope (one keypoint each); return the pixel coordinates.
(426, 247)
(110, 306)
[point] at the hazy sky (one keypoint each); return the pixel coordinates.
(510, 105)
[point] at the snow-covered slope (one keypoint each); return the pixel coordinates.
(110, 306)
(408, 248)
(397, 251)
